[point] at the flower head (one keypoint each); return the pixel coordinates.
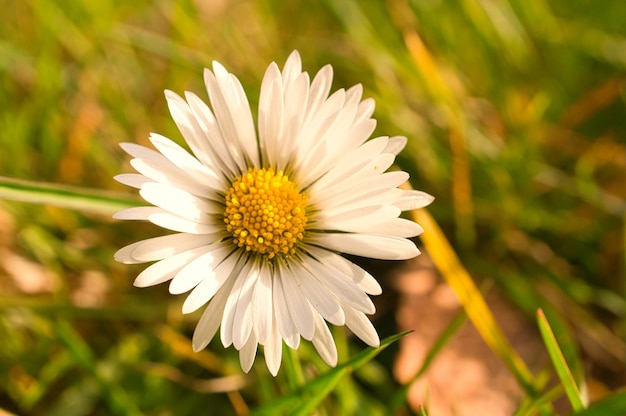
(261, 214)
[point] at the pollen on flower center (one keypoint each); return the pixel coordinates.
(265, 212)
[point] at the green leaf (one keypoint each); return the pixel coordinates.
(614, 405)
(562, 369)
(63, 196)
(316, 390)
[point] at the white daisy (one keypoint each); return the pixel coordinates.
(260, 219)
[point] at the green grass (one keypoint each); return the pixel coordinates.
(516, 118)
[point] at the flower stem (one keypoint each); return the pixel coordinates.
(293, 368)
(82, 199)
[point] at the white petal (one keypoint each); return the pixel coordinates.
(354, 162)
(262, 310)
(320, 88)
(357, 218)
(203, 292)
(344, 289)
(273, 350)
(372, 246)
(356, 135)
(413, 200)
(296, 94)
(132, 179)
(200, 268)
(211, 144)
(124, 254)
(366, 180)
(360, 189)
(164, 171)
(242, 323)
(186, 162)
(190, 122)
(247, 354)
(166, 269)
(236, 323)
(158, 248)
(354, 94)
(299, 307)
(136, 150)
(317, 125)
(293, 66)
(176, 223)
(214, 280)
(305, 176)
(360, 277)
(396, 227)
(395, 145)
(162, 218)
(324, 343)
(293, 96)
(319, 297)
(179, 202)
(272, 74)
(360, 126)
(232, 110)
(386, 197)
(211, 318)
(286, 326)
(361, 327)
(366, 108)
(369, 198)
(340, 214)
(331, 128)
(136, 213)
(271, 121)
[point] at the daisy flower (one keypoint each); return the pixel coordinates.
(261, 213)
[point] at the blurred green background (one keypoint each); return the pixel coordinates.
(516, 118)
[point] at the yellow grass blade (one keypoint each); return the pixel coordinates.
(473, 302)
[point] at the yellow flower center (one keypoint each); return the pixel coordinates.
(265, 212)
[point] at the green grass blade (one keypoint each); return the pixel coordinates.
(562, 369)
(614, 405)
(63, 196)
(470, 297)
(531, 407)
(399, 398)
(118, 401)
(315, 391)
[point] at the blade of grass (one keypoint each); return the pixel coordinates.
(567, 345)
(319, 388)
(293, 368)
(399, 398)
(322, 386)
(119, 402)
(64, 196)
(530, 407)
(614, 405)
(473, 302)
(562, 369)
